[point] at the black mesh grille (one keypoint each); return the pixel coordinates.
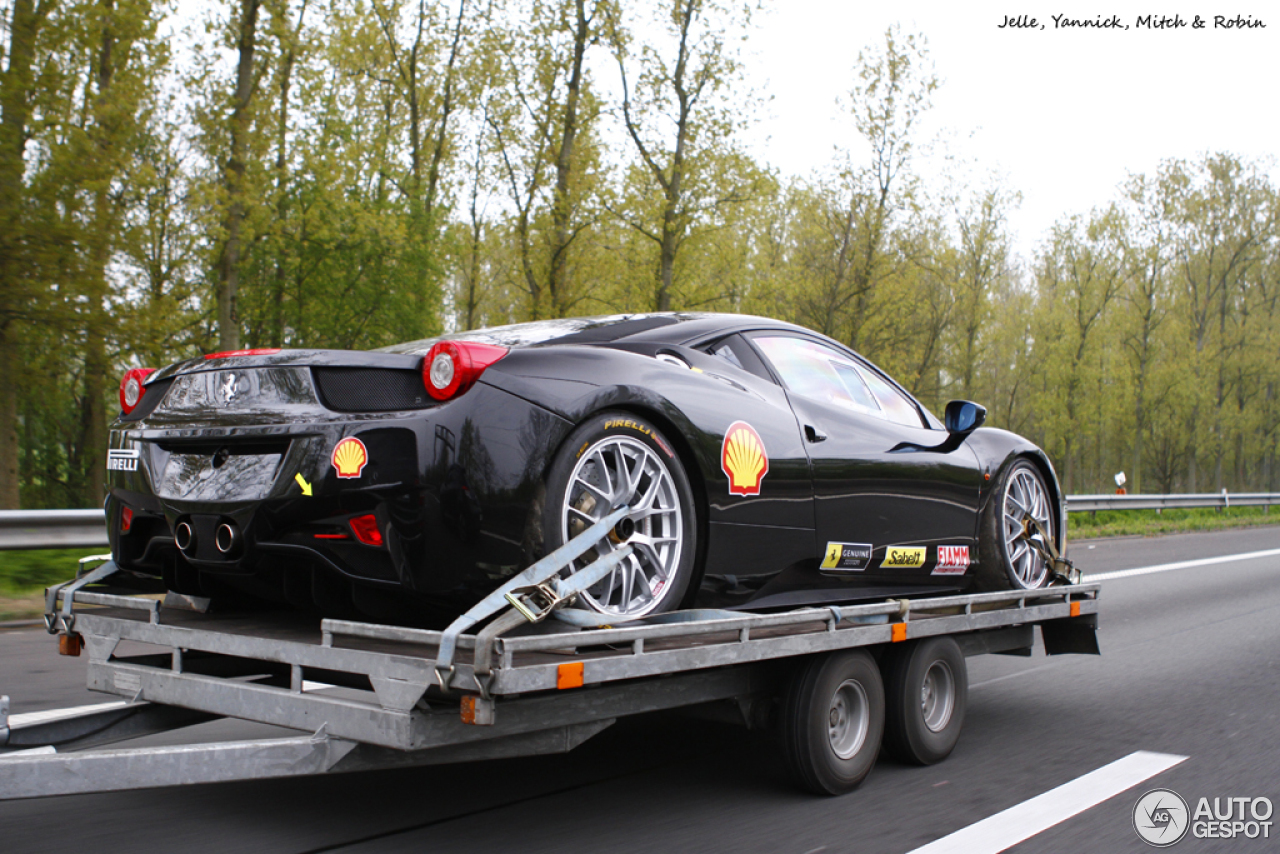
(371, 389)
(151, 398)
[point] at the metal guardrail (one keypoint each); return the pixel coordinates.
(86, 529)
(52, 529)
(1084, 503)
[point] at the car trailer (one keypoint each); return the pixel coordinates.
(836, 681)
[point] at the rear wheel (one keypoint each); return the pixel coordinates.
(616, 459)
(926, 691)
(1014, 550)
(832, 719)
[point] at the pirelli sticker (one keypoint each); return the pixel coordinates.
(122, 459)
(629, 424)
(904, 557)
(952, 560)
(846, 557)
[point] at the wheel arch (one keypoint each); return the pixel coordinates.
(683, 449)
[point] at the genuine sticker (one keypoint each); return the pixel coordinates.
(122, 459)
(849, 557)
(952, 560)
(904, 557)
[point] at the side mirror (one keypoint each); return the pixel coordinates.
(963, 417)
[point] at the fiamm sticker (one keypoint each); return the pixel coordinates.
(952, 560)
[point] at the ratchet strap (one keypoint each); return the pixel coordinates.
(1063, 570)
(64, 622)
(530, 589)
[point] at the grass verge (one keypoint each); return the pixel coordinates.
(25, 574)
(1146, 523)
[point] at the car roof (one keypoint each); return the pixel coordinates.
(661, 327)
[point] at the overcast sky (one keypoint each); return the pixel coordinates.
(1062, 114)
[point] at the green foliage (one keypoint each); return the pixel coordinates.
(382, 170)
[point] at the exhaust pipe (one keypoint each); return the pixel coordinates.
(184, 537)
(227, 538)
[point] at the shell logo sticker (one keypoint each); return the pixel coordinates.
(743, 459)
(349, 457)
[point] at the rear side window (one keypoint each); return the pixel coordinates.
(819, 372)
(725, 351)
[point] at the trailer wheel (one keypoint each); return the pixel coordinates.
(926, 691)
(832, 719)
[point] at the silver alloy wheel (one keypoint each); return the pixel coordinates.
(620, 470)
(1025, 498)
(938, 696)
(848, 718)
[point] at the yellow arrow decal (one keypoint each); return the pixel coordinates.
(302, 481)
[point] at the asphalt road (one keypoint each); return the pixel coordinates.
(1190, 666)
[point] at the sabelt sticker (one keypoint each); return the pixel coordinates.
(743, 459)
(349, 457)
(952, 560)
(904, 557)
(122, 459)
(846, 556)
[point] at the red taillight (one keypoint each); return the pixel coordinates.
(452, 367)
(261, 351)
(131, 388)
(366, 529)
(126, 518)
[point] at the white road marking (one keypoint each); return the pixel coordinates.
(1006, 829)
(28, 718)
(1185, 564)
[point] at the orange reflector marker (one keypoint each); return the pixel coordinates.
(70, 644)
(1075, 609)
(569, 675)
(899, 632)
(469, 709)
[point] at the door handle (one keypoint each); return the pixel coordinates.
(813, 434)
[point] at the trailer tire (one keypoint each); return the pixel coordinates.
(832, 720)
(926, 691)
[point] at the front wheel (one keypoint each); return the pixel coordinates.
(1014, 548)
(611, 460)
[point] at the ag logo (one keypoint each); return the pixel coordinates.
(1160, 817)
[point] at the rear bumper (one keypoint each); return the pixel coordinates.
(450, 487)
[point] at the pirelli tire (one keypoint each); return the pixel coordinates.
(616, 458)
(1013, 549)
(926, 687)
(831, 721)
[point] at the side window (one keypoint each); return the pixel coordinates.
(725, 351)
(896, 407)
(819, 372)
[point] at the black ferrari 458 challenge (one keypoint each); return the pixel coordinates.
(764, 466)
